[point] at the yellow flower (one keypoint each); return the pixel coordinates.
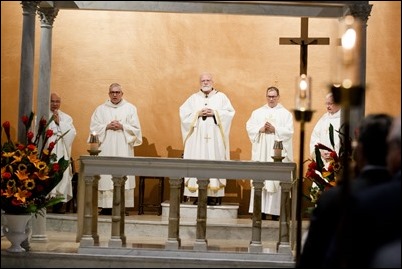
(22, 175)
(21, 195)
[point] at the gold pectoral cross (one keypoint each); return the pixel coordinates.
(207, 137)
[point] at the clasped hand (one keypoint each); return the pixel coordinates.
(114, 125)
(206, 112)
(267, 128)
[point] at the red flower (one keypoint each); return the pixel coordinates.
(312, 165)
(6, 127)
(31, 147)
(25, 120)
(49, 133)
(56, 167)
(20, 146)
(51, 146)
(30, 136)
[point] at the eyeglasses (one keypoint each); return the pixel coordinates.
(114, 92)
(272, 96)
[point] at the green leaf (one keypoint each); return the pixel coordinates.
(320, 163)
(331, 135)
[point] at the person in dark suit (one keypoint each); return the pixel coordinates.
(370, 157)
(372, 233)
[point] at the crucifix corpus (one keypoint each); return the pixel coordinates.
(303, 41)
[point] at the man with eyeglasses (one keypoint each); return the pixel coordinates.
(117, 125)
(321, 132)
(267, 124)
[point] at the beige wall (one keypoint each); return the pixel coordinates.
(157, 58)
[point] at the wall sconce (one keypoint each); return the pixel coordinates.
(94, 144)
(278, 147)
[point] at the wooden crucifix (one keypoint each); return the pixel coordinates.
(303, 41)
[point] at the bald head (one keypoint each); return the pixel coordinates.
(55, 102)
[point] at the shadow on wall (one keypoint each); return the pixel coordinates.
(146, 149)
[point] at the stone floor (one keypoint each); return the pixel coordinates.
(144, 237)
(61, 234)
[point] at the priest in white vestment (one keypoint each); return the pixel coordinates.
(62, 125)
(117, 125)
(320, 132)
(206, 117)
(267, 124)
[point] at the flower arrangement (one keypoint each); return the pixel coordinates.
(29, 170)
(324, 176)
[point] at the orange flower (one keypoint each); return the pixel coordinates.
(27, 174)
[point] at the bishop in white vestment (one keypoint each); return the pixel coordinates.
(118, 127)
(267, 124)
(62, 125)
(206, 117)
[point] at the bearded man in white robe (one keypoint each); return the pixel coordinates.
(117, 125)
(206, 117)
(320, 132)
(62, 125)
(267, 124)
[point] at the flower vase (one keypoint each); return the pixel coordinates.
(16, 230)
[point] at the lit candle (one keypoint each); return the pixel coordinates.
(303, 93)
(94, 142)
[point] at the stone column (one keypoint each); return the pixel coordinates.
(283, 246)
(200, 241)
(27, 64)
(360, 10)
(174, 241)
(255, 244)
(47, 16)
(89, 233)
(116, 239)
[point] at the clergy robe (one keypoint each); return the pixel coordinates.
(116, 143)
(206, 138)
(320, 132)
(262, 150)
(63, 149)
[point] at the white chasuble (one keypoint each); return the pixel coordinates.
(116, 143)
(206, 138)
(321, 135)
(63, 149)
(262, 149)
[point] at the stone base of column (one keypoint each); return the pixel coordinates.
(201, 245)
(255, 247)
(87, 241)
(172, 244)
(283, 248)
(115, 242)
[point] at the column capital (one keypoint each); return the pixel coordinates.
(47, 15)
(361, 10)
(29, 7)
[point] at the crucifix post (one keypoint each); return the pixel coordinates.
(303, 41)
